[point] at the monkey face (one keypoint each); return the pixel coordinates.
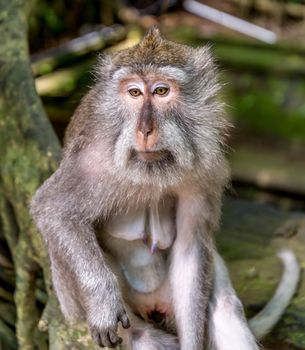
(150, 101)
(160, 111)
(148, 97)
(151, 142)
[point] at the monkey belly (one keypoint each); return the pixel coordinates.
(143, 271)
(155, 307)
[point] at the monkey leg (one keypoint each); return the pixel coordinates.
(191, 286)
(227, 325)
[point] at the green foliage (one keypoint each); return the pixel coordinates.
(269, 106)
(265, 85)
(51, 21)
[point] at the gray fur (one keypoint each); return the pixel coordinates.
(97, 182)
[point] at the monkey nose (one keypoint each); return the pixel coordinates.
(146, 139)
(145, 130)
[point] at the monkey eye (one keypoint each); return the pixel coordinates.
(134, 92)
(161, 90)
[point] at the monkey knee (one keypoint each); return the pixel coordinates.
(227, 302)
(227, 324)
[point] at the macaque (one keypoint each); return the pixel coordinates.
(129, 217)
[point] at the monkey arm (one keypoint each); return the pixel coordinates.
(77, 262)
(58, 215)
(191, 271)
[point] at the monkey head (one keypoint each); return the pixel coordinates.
(157, 109)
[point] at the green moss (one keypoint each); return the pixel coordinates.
(250, 237)
(268, 106)
(264, 84)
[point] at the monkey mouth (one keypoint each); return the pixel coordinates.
(151, 156)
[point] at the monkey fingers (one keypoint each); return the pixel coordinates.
(124, 320)
(106, 338)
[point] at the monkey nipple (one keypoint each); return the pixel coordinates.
(147, 241)
(153, 247)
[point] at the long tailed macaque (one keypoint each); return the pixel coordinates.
(129, 216)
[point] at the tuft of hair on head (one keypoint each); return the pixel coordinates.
(155, 51)
(152, 38)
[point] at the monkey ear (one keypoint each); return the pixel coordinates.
(206, 71)
(152, 37)
(103, 67)
(203, 58)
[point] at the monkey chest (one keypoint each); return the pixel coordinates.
(154, 225)
(140, 241)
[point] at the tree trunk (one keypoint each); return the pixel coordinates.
(29, 153)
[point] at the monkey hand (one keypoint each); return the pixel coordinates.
(103, 317)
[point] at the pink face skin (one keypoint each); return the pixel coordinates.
(144, 96)
(148, 88)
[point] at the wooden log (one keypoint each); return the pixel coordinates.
(250, 237)
(76, 49)
(29, 152)
(280, 59)
(267, 169)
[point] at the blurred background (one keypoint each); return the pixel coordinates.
(262, 68)
(259, 46)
